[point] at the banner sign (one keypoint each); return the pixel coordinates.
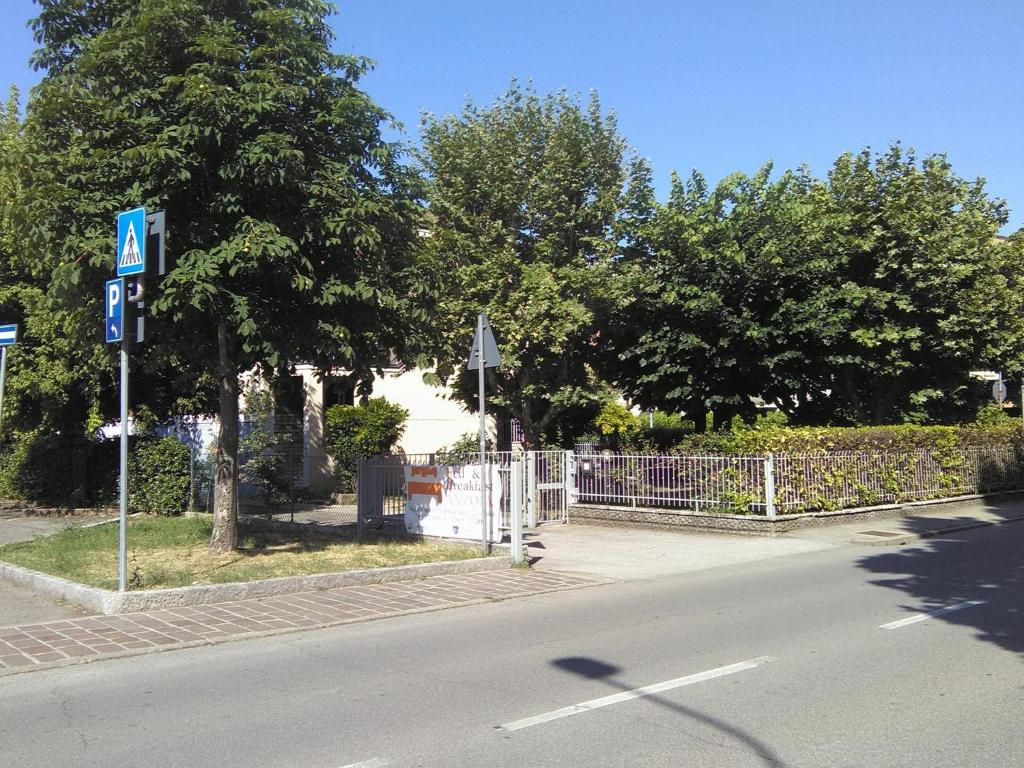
(444, 500)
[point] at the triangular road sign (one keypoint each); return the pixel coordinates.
(491, 356)
(130, 254)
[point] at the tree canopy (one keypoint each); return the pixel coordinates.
(529, 206)
(865, 297)
(291, 220)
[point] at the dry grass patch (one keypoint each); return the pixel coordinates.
(172, 552)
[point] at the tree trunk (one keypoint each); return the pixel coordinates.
(225, 516)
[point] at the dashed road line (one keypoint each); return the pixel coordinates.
(636, 693)
(930, 614)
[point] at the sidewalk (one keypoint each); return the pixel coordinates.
(71, 641)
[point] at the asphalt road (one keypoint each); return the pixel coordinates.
(814, 659)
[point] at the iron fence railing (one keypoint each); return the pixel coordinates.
(793, 483)
(676, 482)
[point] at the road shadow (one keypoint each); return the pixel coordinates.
(595, 669)
(985, 564)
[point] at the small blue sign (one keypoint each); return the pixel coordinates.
(113, 317)
(8, 335)
(131, 242)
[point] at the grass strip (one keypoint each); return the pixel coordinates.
(172, 552)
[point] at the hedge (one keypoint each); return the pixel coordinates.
(158, 476)
(54, 470)
(901, 438)
(354, 432)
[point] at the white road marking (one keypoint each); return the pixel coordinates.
(377, 762)
(925, 616)
(636, 693)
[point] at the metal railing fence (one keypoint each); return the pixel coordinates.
(774, 484)
(676, 482)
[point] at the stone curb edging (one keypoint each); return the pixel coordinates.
(600, 514)
(906, 538)
(75, 661)
(108, 602)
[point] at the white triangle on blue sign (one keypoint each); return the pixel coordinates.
(131, 256)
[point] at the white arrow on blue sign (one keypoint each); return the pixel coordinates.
(131, 242)
(8, 335)
(113, 317)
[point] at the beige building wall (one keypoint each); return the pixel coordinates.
(435, 421)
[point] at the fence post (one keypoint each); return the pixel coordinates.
(769, 485)
(572, 493)
(531, 489)
(361, 495)
(516, 508)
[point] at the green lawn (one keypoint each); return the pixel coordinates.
(172, 552)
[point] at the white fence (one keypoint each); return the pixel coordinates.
(771, 485)
(537, 484)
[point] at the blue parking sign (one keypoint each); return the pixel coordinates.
(131, 242)
(114, 314)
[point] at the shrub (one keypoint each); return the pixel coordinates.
(621, 429)
(619, 426)
(468, 445)
(58, 469)
(158, 476)
(354, 432)
(270, 462)
(901, 438)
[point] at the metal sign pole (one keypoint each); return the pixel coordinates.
(122, 540)
(3, 380)
(483, 436)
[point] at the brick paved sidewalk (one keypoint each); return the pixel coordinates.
(70, 641)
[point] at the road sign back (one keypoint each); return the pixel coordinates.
(131, 242)
(488, 347)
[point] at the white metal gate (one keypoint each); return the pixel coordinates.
(539, 485)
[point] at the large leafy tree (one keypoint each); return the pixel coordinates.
(291, 222)
(866, 297)
(532, 198)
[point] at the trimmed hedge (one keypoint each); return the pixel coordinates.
(158, 476)
(354, 432)
(901, 438)
(59, 470)
(54, 470)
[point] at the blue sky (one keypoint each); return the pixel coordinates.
(719, 85)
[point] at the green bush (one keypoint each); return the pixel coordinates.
(620, 429)
(270, 461)
(158, 476)
(901, 438)
(58, 469)
(354, 432)
(468, 445)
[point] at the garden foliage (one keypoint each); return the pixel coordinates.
(354, 432)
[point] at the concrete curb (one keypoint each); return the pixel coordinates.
(108, 602)
(906, 538)
(77, 661)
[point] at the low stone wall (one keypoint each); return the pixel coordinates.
(756, 525)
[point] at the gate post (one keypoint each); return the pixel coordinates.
(362, 490)
(769, 486)
(531, 489)
(516, 508)
(571, 491)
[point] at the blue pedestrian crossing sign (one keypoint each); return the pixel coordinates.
(131, 242)
(113, 316)
(8, 335)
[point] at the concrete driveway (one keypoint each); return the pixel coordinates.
(627, 554)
